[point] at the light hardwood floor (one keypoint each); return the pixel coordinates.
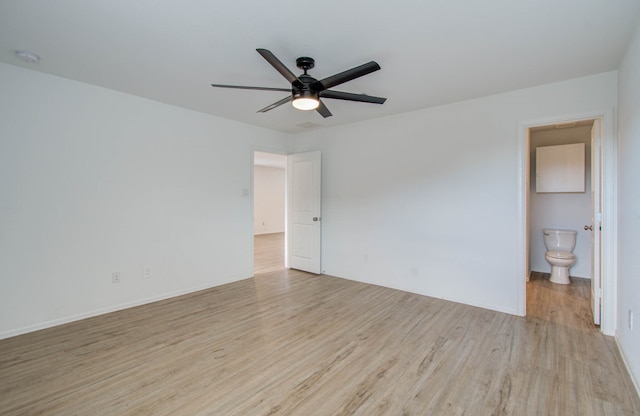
(268, 252)
(290, 343)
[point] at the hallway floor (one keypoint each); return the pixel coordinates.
(268, 252)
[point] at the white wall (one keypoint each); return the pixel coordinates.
(268, 200)
(94, 181)
(629, 206)
(427, 201)
(569, 211)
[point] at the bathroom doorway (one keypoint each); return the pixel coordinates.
(269, 214)
(570, 211)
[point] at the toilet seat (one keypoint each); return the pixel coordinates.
(563, 255)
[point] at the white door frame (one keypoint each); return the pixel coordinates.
(609, 209)
(596, 208)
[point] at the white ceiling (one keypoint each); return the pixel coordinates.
(431, 52)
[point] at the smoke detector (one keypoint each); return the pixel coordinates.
(27, 56)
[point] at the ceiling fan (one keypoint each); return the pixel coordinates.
(306, 91)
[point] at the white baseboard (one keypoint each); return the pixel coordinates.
(636, 383)
(114, 308)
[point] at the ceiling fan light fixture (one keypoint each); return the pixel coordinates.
(305, 100)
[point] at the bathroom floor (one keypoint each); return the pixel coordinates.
(567, 305)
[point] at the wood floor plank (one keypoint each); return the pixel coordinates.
(268, 252)
(291, 343)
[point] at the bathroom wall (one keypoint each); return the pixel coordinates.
(268, 200)
(571, 211)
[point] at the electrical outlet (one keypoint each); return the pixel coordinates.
(630, 320)
(147, 272)
(115, 277)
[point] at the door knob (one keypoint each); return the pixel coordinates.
(316, 218)
(588, 227)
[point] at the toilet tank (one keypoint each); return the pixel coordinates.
(559, 240)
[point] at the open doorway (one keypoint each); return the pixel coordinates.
(603, 224)
(559, 211)
(269, 218)
(568, 211)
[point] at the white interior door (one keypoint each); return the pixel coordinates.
(303, 211)
(596, 220)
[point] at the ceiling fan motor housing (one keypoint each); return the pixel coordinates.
(306, 81)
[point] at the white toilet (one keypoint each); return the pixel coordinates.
(560, 245)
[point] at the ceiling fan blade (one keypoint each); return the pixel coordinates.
(345, 76)
(243, 87)
(364, 98)
(323, 110)
(276, 104)
(280, 67)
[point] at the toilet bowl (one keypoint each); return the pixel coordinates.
(560, 245)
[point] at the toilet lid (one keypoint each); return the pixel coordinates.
(560, 254)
